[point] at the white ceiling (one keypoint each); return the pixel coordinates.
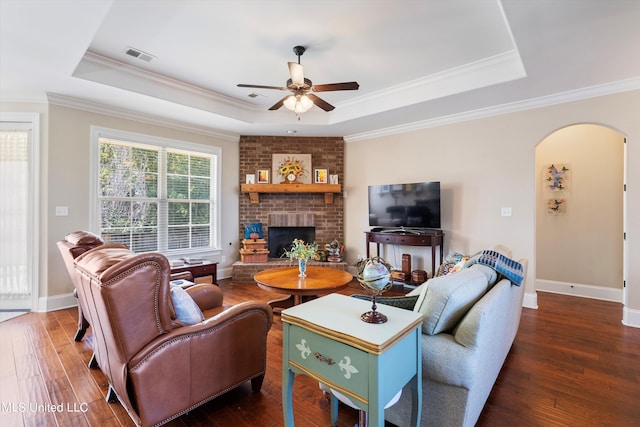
(418, 62)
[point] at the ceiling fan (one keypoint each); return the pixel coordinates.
(302, 97)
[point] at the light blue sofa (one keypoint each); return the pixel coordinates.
(469, 327)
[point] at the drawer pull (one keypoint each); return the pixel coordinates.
(321, 358)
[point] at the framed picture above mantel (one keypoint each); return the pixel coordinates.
(291, 168)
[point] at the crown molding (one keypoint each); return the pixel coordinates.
(129, 72)
(497, 69)
(507, 66)
(94, 107)
(529, 104)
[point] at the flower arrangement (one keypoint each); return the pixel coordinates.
(292, 166)
(301, 250)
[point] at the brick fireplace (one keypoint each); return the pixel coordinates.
(292, 209)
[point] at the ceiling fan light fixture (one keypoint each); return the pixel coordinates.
(301, 88)
(290, 102)
(298, 103)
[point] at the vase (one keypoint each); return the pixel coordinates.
(302, 266)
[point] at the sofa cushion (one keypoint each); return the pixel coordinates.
(448, 298)
(187, 311)
(418, 290)
(490, 273)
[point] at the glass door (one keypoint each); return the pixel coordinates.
(18, 229)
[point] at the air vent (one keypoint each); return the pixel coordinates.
(137, 53)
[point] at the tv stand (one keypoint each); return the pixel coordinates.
(406, 238)
(407, 230)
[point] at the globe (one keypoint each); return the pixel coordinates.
(375, 275)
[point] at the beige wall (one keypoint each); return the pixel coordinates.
(483, 165)
(582, 245)
(68, 180)
(486, 164)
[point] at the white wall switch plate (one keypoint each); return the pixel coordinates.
(505, 212)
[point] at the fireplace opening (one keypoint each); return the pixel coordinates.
(280, 238)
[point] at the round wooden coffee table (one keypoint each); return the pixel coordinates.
(285, 280)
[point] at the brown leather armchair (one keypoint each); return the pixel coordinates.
(157, 367)
(74, 245)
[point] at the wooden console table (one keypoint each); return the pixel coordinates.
(202, 269)
(326, 340)
(434, 239)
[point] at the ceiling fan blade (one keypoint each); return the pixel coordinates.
(264, 87)
(278, 104)
(335, 86)
(319, 102)
(297, 75)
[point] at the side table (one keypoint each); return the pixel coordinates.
(200, 270)
(326, 340)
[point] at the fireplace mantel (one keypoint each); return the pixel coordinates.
(255, 189)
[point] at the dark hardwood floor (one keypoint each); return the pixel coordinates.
(573, 364)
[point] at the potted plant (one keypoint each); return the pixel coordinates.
(302, 252)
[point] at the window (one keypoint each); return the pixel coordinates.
(154, 194)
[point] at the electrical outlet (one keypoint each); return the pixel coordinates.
(223, 258)
(505, 212)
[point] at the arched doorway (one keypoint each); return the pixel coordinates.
(580, 212)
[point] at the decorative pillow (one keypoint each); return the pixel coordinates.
(83, 238)
(187, 311)
(448, 298)
(454, 261)
(253, 231)
(455, 257)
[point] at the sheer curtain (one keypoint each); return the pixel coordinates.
(14, 211)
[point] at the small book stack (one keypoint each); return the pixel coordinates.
(254, 250)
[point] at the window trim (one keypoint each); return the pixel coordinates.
(98, 132)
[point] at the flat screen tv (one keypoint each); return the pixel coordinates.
(414, 205)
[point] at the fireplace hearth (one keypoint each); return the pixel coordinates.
(280, 238)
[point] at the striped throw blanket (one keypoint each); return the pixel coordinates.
(503, 265)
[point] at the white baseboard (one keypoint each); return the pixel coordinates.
(631, 317)
(57, 302)
(530, 301)
(580, 290)
(225, 273)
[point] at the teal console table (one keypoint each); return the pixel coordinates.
(369, 363)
